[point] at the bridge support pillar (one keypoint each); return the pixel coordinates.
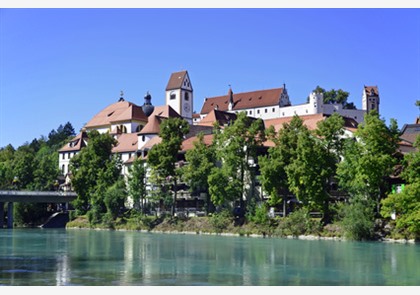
(10, 215)
(1, 214)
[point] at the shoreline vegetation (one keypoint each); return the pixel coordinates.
(230, 227)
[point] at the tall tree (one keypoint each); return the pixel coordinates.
(236, 149)
(200, 162)
(137, 183)
(369, 160)
(94, 169)
(163, 156)
(406, 204)
(272, 166)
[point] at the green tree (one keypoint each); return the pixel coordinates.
(6, 166)
(272, 166)
(369, 160)
(406, 204)
(335, 97)
(94, 169)
(56, 138)
(115, 197)
(163, 156)
(200, 162)
(137, 183)
(237, 147)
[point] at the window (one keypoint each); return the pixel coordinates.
(250, 112)
(63, 155)
(172, 95)
(274, 110)
(373, 106)
(63, 169)
(68, 156)
(143, 138)
(258, 111)
(265, 110)
(186, 96)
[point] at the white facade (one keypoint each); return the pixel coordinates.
(182, 99)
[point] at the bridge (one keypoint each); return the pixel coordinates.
(11, 197)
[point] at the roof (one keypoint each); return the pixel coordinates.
(188, 144)
(117, 112)
(410, 132)
(244, 100)
(310, 121)
(76, 143)
(220, 116)
(126, 142)
(155, 118)
(176, 80)
(153, 141)
(152, 127)
(369, 89)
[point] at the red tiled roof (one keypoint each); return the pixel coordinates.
(153, 141)
(310, 121)
(76, 143)
(117, 112)
(126, 142)
(152, 126)
(176, 79)
(244, 100)
(368, 89)
(219, 116)
(188, 144)
(165, 111)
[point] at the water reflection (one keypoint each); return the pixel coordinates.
(39, 257)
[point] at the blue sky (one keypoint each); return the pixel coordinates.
(59, 65)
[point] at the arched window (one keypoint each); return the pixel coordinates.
(122, 129)
(139, 128)
(63, 169)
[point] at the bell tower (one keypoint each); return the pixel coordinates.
(370, 100)
(179, 95)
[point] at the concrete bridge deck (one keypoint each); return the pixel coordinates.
(11, 197)
(36, 197)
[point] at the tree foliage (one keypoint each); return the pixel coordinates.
(163, 156)
(136, 183)
(200, 162)
(94, 170)
(335, 97)
(236, 148)
(369, 160)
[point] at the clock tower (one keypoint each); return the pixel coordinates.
(179, 94)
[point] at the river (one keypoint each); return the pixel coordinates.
(79, 257)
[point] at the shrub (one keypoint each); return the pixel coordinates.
(221, 220)
(357, 219)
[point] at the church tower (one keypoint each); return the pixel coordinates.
(179, 94)
(370, 100)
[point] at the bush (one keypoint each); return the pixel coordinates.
(260, 215)
(357, 219)
(221, 220)
(298, 223)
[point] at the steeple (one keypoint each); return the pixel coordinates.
(147, 107)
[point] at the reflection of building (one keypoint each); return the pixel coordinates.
(136, 128)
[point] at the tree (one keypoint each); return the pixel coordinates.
(163, 156)
(137, 183)
(94, 169)
(200, 162)
(272, 166)
(57, 137)
(6, 169)
(335, 97)
(406, 204)
(369, 160)
(236, 148)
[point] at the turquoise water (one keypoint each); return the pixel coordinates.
(60, 257)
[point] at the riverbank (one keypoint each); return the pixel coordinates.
(210, 226)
